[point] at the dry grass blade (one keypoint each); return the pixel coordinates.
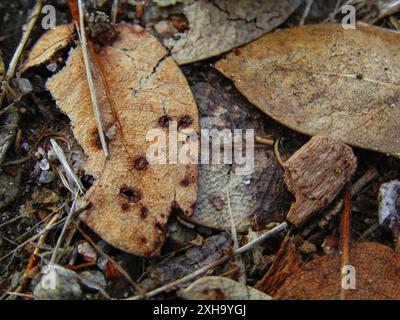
(89, 74)
(25, 37)
(67, 168)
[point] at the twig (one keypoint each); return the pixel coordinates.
(66, 224)
(33, 260)
(89, 74)
(265, 141)
(238, 258)
(306, 12)
(345, 234)
(106, 256)
(25, 37)
(68, 170)
(114, 12)
(277, 154)
(201, 271)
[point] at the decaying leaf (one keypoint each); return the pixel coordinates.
(377, 271)
(219, 288)
(286, 263)
(131, 199)
(255, 199)
(218, 26)
(51, 42)
(323, 79)
(212, 249)
(316, 174)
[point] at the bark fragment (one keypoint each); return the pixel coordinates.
(315, 174)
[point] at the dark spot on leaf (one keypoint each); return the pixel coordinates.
(164, 121)
(125, 206)
(143, 240)
(144, 212)
(185, 182)
(185, 121)
(132, 194)
(95, 139)
(140, 163)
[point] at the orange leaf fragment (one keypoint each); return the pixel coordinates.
(377, 272)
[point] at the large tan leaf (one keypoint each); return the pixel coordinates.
(217, 26)
(219, 288)
(131, 200)
(323, 79)
(377, 271)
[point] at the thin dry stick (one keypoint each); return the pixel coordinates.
(265, 141)
(306, 12)
(25, 37)
(245, 248)
(33, 260)
(92, 87)
(106, 256)
(277, 154)
(345, 235)
(67, 168)
(66, 224)
(238, 258)
(114, 12)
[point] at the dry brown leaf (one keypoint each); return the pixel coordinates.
(323, 79)
(51, 42)
(219, 288)
(212, 249)
(218, 26)
(255, 199)
(131, 200)
(377, 276)
(316, 174)
(286, 263)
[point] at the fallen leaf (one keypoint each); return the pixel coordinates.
(219, 288)
(316, 174)
(131, 199)
(213, 248)
(255, 199)
(50, 43)
(218, 26)
(377, 276)
(323, 79)
(286, 263)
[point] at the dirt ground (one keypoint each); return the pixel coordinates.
(37, 193)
